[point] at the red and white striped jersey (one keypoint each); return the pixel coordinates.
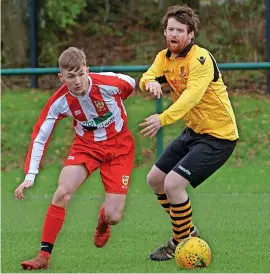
(98, 115)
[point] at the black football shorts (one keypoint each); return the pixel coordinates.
(195, 156)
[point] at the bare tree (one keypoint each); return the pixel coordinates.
(107, 10)
(161, 4)
(14, 33)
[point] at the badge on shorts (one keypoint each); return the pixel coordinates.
(125, 180)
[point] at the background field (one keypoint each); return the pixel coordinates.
(231, 209)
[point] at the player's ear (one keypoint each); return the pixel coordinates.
(165, 33)
(191, 35)
(87, 70)
(60, 76)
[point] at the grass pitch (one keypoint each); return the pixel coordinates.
(231, 209)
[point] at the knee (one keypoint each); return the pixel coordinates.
(62, 194)
(172, 185)
(152, 180)
(113, 216)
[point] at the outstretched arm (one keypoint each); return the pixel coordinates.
(201, 75)
(153, 78)
(124, 84)
(39, 142)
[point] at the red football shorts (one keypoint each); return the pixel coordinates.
(114, 157)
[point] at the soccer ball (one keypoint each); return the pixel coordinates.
(192, 253)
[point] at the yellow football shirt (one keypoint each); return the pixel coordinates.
(199, 94)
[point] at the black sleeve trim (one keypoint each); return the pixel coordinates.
(216, 70)
(161, 79)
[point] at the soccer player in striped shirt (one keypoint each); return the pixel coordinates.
(102, 140)
(201, 100)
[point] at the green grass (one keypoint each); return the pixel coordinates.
(231, 208)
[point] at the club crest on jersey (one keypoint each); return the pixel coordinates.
(100, 106)
(182, 71)
(125, 180)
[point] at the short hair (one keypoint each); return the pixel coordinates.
(183, 14)
(72, 58)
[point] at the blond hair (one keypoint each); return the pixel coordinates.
(72, 58)
(183, 14)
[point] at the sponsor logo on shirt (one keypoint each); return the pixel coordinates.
(99, 122)
(167, 71)
(70, 157)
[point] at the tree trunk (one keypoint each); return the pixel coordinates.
(161, 5)
(14, 33)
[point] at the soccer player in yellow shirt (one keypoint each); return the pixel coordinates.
(201, 100)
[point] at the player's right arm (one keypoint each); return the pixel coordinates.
(154, 76)
(42, 131)
(20, 189)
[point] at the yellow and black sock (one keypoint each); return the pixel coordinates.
(181, 220)
(163, 200)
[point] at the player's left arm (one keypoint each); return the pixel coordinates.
(126, 85)
(201, 74)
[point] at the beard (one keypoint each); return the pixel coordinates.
(175, 47)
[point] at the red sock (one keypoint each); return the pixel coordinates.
(53, 223)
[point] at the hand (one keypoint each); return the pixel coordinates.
(20, 189)
(151, 126)
(154, 88)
